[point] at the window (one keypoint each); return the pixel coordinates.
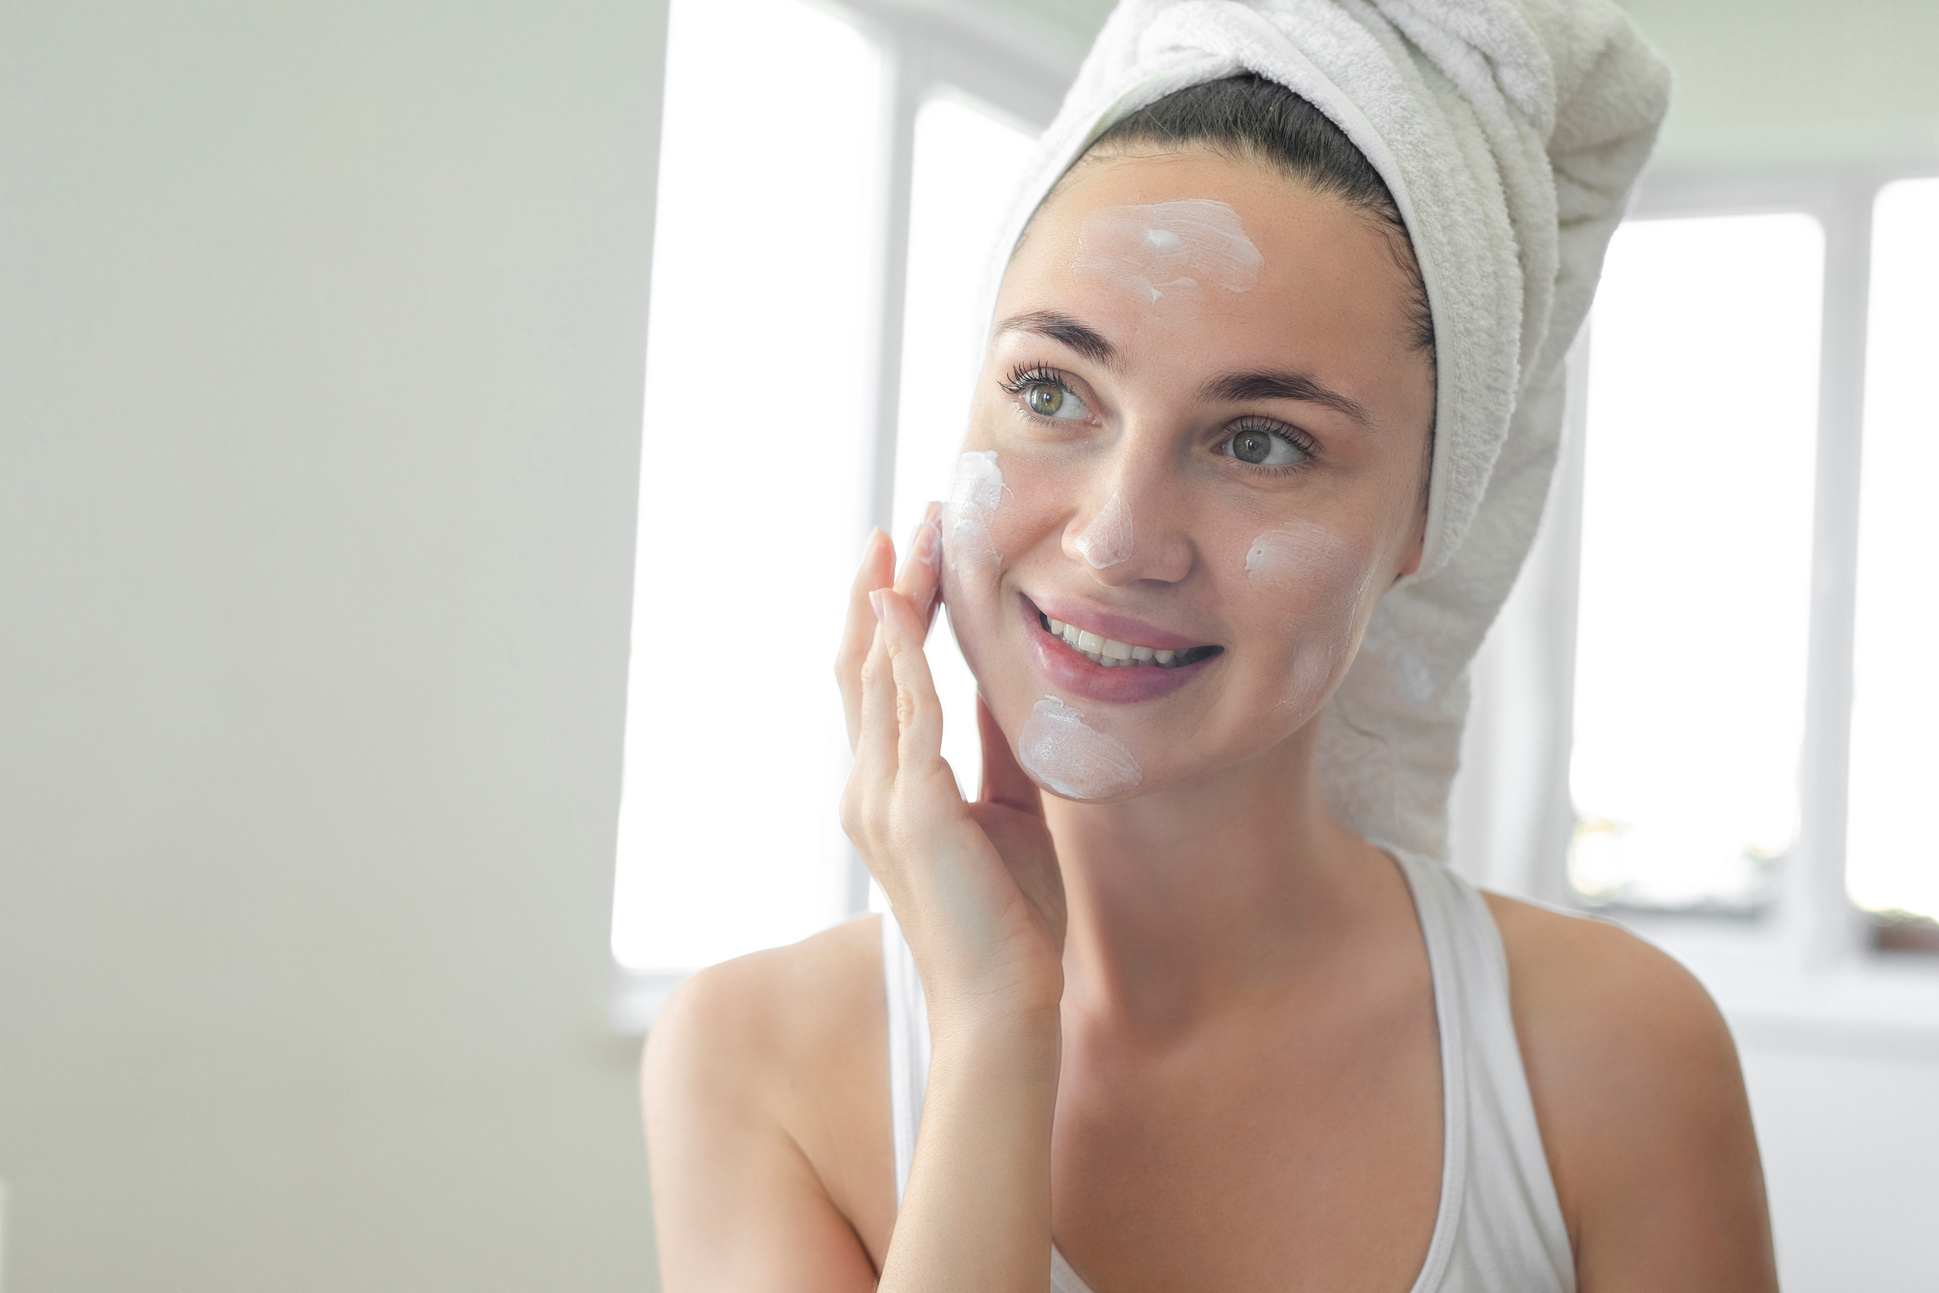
(1721, 632)
(1892, 859)
(1695, 560)
(1707, 695)
(967, 167)
(753, 471)
(769, 402)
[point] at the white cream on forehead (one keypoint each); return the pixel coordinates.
(1106, 541)
(1071, 757)
(1168, 250)
(975, 492)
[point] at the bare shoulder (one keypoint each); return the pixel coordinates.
(786, 1003)
(766, 1096)
(1641, 1104)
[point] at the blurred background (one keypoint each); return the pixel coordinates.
(373, 756)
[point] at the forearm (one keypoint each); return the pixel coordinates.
(976, 1215)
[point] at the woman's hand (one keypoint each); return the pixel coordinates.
(975, 887)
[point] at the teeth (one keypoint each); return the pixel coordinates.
(1108, 652)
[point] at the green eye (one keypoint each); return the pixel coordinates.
(1251, 446)
(1044, 399)
(1261, 447)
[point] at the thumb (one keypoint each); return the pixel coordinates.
(1004, 782)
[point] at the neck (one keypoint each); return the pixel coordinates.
(1203, 895)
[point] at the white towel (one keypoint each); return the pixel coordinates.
(1510, 133)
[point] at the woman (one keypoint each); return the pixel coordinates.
(1177, 1003)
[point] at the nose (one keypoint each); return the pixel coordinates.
(1127, 530)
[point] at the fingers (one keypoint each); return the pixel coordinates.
(858, 634)
(921, 577)
(1004, 781)
(918, 710)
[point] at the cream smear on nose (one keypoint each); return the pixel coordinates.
(1073, 758)
(975, 492)
(1106, 541)
(1168, 250)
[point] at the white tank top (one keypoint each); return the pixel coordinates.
(1499, 1227)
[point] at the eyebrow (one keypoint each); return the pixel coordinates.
(1073, 332)
(1238, 388)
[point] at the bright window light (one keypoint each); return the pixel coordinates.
(752, 485)
(1892, 843)
(1696, 560)
(968, 165)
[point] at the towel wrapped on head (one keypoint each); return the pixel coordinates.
(1510, 134)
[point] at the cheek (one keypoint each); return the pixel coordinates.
(1315, 587)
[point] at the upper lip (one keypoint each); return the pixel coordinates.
(1119, 628)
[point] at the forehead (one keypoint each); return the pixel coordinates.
(1183, 252)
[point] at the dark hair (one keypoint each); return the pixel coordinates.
(1252, 118)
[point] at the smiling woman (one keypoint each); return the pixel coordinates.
(1258, 439)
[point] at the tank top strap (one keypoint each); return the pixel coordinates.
(908, 1046)
(1510, 1232)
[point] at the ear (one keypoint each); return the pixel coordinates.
(1416, 546)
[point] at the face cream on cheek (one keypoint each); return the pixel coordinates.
(975, 493)
(1106, 541)
(1335, 579)
(1067, 755)
(1280, 556)
(1167, 250)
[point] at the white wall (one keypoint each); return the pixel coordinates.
(321, 349)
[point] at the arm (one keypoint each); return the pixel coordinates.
(1642, 1108)
(738, 1203)
(757, 1186)
(977, 892)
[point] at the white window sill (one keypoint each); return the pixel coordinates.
(1878, 1004)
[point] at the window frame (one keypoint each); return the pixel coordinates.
(1805, 972)
(1014, 69)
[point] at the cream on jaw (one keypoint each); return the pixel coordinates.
(1168, 250)
(1107, 539)
(1071, 757)
(975, 492)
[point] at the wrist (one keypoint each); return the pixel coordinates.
(1026, 1042)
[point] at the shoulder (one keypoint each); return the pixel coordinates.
(765, 1084)
(793, 1004)
(1638, 1094)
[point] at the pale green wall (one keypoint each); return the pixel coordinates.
(322, 336)
(1806, 79)
(1757, 80)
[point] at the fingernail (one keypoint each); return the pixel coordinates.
(924, 544)
(875, 603)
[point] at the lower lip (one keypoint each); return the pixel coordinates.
(1081, 676)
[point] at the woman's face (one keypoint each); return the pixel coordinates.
(1199, 436)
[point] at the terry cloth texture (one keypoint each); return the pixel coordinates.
(1510, 133)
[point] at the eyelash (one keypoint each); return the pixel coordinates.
(1034, 375)
(1278, 431)
(1027, 375)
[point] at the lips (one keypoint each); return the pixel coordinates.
(1107, 657)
